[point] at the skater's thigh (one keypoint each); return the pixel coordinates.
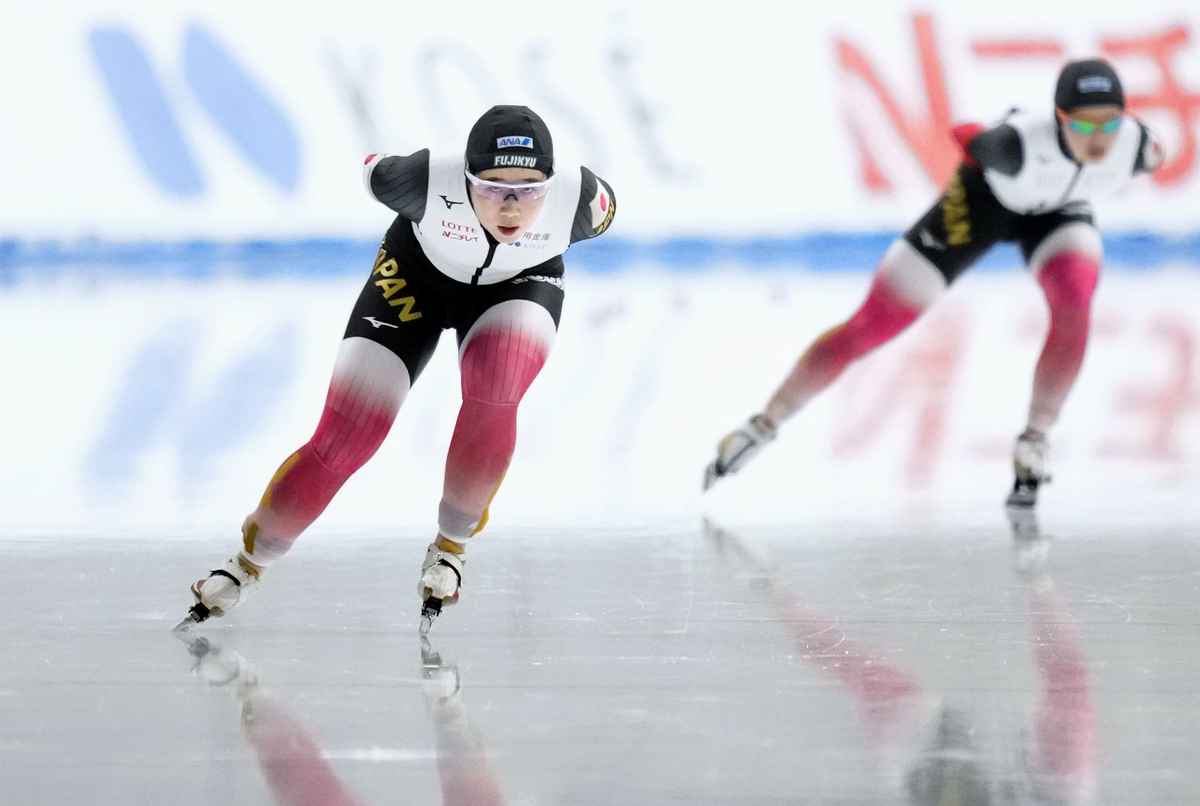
(503, 348)
(1044, 236)
(401, 307)
(961, 226)
(909, 277)
(527, 306)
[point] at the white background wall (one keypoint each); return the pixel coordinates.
(742, 120)
(141, 408)
(139, 402)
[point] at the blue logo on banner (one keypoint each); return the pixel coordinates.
(257, 126)
(149, 120)
(160, 402)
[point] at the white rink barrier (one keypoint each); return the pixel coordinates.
(167, 406)
(228, 119)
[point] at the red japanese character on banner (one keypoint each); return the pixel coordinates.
(1156, 411)
(925, 132)
(1171, 96)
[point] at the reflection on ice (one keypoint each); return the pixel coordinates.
(298, 770)
(930, 750)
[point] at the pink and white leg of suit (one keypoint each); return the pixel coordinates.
(499, 357)
(1066, 265)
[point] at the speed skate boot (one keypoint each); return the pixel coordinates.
(738, 447)
(441, 580)
(222, 590)
(1029, 468)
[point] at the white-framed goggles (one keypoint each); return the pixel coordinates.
(498, 191)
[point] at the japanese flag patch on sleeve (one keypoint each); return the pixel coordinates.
(603, 207)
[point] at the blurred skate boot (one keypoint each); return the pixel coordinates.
(1029, 468)
(738, 447)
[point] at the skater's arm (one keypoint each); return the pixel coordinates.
(998, 149)
(1150, 156)
(401, 183)
(597, 206)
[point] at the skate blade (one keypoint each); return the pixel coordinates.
(197, 614)
(430, 610)
(711, 474)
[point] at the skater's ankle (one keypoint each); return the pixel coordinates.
(251, 568)
(1033, 432)
(766, 422)
(448, 545)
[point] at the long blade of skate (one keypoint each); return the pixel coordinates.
(711, 474)
(430, 610)
(196, 614)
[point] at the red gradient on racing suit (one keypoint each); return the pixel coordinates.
(356, 418)
(882, 316)
(498, 365)
(1068, 280)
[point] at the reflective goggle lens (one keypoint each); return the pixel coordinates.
(1088, 128)
(502, 190)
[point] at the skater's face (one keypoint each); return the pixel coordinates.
(508, 200)
(1091, 130)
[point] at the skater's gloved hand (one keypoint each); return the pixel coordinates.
(737, 448)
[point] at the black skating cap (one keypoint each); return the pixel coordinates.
(510, 137)
(1090, 82)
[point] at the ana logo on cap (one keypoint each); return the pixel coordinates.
(1095, 84)
(514, 141)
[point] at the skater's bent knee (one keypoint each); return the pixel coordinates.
(498, 366)
(1069, 279)
(342, 444)
(882, 316)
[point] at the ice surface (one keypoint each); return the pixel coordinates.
(861, 659)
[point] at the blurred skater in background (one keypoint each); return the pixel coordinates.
(1030, 179)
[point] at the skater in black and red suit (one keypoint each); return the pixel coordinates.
(1030, 179)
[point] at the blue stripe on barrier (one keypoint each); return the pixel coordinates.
(315, 257)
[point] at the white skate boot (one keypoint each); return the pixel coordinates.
(222, 590)
(1029, 468)
(441, 581)
(737, 448)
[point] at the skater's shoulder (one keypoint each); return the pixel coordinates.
(1150, 154)
(597, 205)
(1000, 148)
(400, 182)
